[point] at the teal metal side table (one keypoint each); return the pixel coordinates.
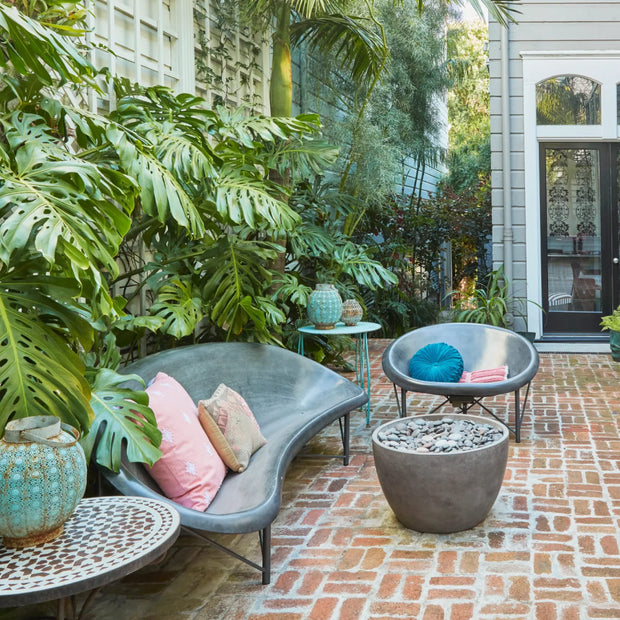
(362, 361)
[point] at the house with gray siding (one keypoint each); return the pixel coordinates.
(555, 143)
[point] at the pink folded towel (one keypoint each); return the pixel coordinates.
(489, 375)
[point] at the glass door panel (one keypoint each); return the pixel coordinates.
(574, 245)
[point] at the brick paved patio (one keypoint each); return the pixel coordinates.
(549, 550)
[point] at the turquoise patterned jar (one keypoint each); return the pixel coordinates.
(324, 306)
(42, 479)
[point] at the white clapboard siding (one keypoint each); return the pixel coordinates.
(554, 26)
(307, 97)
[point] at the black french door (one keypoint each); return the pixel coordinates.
(579, 226)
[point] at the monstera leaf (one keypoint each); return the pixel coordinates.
(39, 373)
(161, 193)
(59, 204)
(241, 199)
(179, 306)
(122, 415)
(236, 281)
(30, 47)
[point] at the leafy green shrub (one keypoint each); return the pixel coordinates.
(488, 304)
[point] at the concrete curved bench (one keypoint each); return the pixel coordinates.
(482, 347)
(292, 398)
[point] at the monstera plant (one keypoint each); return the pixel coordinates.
(62, 219)
(77, 189)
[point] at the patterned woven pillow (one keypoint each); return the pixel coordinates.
(231, 427)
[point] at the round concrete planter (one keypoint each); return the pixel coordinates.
(441, 493)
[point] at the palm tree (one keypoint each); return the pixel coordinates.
(327, 27)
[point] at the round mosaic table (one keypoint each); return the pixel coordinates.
(105, 539)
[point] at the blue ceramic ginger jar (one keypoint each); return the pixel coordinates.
(42, 479)
(324, 306)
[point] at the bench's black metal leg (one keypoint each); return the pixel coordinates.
(265, 546)
(264, 537)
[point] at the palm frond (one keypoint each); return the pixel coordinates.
(357, 47)
(312, 8)
(502, 10)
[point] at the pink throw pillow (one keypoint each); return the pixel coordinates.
(487, 375)
(190, 471)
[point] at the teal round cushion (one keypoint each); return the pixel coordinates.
(438, 362)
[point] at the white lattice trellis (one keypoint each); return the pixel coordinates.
(146, 41)
(235, 62)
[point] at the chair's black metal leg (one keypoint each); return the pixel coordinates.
(527, 395)
(518, 416)
(396, 396)
(485, 408)
(265, 546)
(345, 435)
(439, 406)
(403, 408)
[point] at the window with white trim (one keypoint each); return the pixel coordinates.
(568, 100)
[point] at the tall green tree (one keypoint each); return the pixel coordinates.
(469, 154)
(331, 27)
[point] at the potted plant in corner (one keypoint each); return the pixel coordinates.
(493, 304)
(611, 322)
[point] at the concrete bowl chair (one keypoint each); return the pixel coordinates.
(482, 347)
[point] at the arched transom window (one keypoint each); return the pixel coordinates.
(568, 100)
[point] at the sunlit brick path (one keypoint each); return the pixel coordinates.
(549, 550)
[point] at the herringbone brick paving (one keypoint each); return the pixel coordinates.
(549, 550)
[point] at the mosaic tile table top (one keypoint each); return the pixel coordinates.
(105, 539)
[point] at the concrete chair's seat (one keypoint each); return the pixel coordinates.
(292, 399)
(482, 347)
